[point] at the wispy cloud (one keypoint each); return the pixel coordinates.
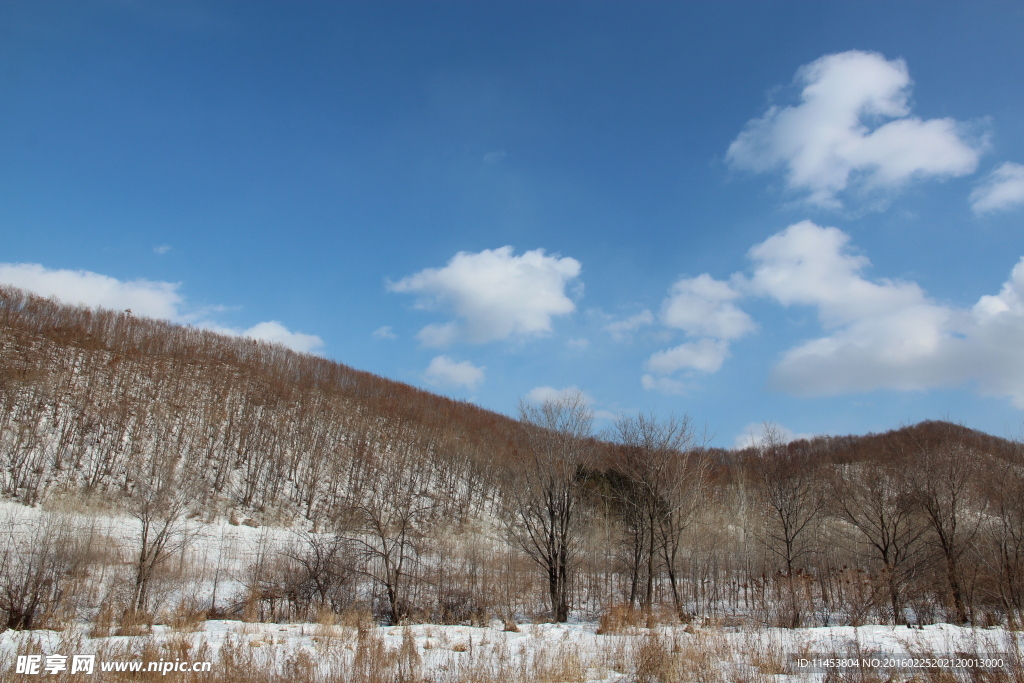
(539, 395)
(1001, 190)
(622, 330)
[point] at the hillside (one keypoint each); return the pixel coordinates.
(90, 398)
(152, 441)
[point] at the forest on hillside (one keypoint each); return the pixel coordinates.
(363, 495)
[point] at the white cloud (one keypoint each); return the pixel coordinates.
(665, 385)
(876, 333)
(579, 343)
(547, 393)
(445, 372)
(703, 355)
(384, 332)
(276, 333)
(810, 265)
(703, 307)
(1003, 189)
(438, 335)
(81, 287)
(143, 297)
(754, 434)
(493, 294)
(885, 334)
(852, 126)
(162, 249)
(620, 330)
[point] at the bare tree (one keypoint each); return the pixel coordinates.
(792, 495)
(1004, 534)
(665, 469)
(386, 518)
(37, 560)
(878, 501)
(159, 501)
(944, 481)
(544, 494)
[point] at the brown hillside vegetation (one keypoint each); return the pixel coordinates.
(390, 501)
(87, 394)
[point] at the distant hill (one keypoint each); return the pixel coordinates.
(89, 398)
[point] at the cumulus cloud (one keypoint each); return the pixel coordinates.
(853, 124)
(81, 287)
(445, 372)
(143, 297)
(876, 332)
(493, 294)
(384, 332)
(811, 265)
(1002, 190)
(704, 308)
(881, 333)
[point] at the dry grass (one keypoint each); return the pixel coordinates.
(620, 619)
(187, 617)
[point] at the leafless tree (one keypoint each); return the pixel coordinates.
(38, 558)
(319, 570)
(791, 490)
(665, 469)
(944, 479)
(544, 495)
(879, 502)
(159, 500)
(1004, 533)
(386, 518)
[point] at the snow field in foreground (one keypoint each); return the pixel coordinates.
(550, 653)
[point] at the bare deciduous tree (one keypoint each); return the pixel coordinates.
(878, 501)
(37, 559)
(665, 469)
(792, 494)
(544, 496)
(1005, 534)
(944, 481)
(386, 519)
(159, 500)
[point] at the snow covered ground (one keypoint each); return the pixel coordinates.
(538, 652)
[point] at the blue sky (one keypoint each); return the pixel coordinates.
(805, 213)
